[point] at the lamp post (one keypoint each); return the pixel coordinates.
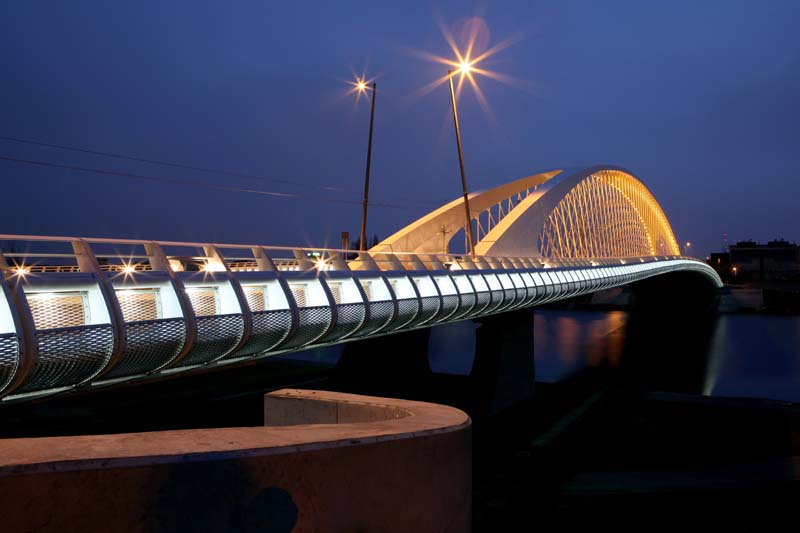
(686, 248)
(463, 68)
(362, 87)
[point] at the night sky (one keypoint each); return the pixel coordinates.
(699, 99)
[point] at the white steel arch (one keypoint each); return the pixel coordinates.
(600, 211)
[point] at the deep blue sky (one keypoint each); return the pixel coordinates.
(699, 99)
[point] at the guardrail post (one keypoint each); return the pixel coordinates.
(87, 262)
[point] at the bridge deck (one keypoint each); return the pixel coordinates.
(104, 312)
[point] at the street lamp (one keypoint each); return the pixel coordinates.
(362, 87)
(464, 67)
(686, 248)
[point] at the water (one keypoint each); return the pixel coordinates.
(754, 356)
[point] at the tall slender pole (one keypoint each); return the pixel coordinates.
(363, 241)
(461, 164)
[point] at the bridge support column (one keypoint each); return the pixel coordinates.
(393, 365)
(503, 370)
(669, 332)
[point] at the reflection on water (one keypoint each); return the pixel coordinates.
(755, 356)
(749, 355)
(566, 341)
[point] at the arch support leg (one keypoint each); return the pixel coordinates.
(503, 370)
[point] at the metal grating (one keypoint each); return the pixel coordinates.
(367, 286)
(407, 311)
(204, 300)
(216, 336)
(69, 356)
(449, 307)
(256, 298)
(336, 292)
(509, 296)
(430, 307)
(349, 318)
(270, 328)
(497, 303)
(466, 306)
(380, 315)
(482, 302)
(52, 310)
(9, 358)
(299, 293)
(150, 345)
(314, 322)
(139, 305)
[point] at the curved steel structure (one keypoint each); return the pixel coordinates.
(79, 313)
(601, 211)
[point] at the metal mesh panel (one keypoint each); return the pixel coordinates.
(465, 307)
(510, 296)
(380, 315)
(349, 317)
(69, 356)
(449, 306)
(430, 306)
(497, 302)
(407, 310)
(483, 301)
(150, 345)
(204, 300)
(138, 305)
(299, 293)
(314, 321)
(9, 358)
(270, 328)
(256, 298)
(367, 286)
(57, 310)
(216, 336)
(336, 292)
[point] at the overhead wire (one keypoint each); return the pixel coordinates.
(211, 186)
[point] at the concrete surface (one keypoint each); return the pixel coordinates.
(326, 462)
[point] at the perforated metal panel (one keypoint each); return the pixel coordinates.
(497, 303)
(204, 300)
(52, 310)
(138, 305)
(270, 328)
(216, 336)
(380, 315)
(299, 293)
(150, 345)
(430, 307)
(449, 306)
(465, 307)
(482, 301)
(256, 298)
(9, 358)
(336, 292)
(509, 295)
(407, 311)
(314, 321)
(367, 286)
(69, 356)
(349, 318)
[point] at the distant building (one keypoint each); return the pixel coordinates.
(777, 260)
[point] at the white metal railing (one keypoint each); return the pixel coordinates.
(91, 312)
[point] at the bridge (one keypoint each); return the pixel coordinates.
(81, 313)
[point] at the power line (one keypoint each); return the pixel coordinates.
(176, 181)
(166, 163)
